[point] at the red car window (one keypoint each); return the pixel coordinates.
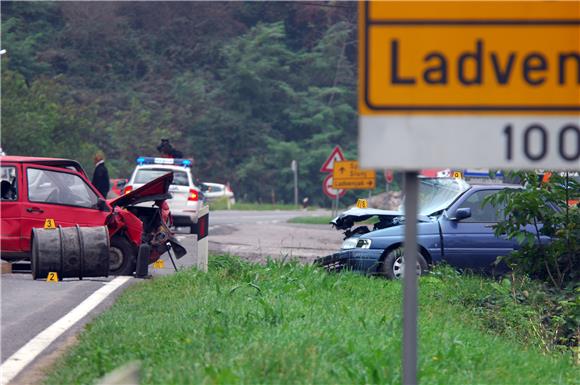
(8, 183)
(46, 186)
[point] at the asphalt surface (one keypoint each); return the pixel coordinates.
(28, 307)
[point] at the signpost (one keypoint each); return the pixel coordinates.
(465, 85)
(294, 168)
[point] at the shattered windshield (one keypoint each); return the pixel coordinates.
(436, 194)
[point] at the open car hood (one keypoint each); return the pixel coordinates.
(386, 218)
(155, 190)
(347, 219)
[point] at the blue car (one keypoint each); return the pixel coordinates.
(454, 226)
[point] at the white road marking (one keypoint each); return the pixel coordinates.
(26, 354)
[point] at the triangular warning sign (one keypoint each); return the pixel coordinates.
(335, 155)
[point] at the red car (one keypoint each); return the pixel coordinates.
(36, 192)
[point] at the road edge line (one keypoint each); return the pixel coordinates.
(27, 353)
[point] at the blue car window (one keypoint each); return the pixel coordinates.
(481, 212)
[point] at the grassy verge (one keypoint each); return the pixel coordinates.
(317, 220)
(286, 323)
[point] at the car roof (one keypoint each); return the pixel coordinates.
(54, 162)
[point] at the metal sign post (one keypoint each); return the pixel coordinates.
(294, 167)
(410, 280)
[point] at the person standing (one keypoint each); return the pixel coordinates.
(101, 174)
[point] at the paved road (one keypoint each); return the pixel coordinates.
(28, 307)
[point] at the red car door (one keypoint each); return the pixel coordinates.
(11, 197)
(58, 194)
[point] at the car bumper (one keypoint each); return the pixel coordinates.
(363, 260)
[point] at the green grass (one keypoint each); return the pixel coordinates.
(289, 324)
(316, 220)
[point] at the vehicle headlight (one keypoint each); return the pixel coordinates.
(364, 244)
(349, 243)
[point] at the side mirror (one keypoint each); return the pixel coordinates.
(461, 213)
(102, 205)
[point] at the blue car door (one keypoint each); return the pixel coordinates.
(471, 242)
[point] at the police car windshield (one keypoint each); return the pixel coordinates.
(145, 175)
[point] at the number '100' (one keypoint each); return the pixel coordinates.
(568, 134)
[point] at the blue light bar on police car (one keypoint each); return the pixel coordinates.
(167, 161)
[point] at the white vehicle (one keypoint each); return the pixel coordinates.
(186, 199)
(216, 191)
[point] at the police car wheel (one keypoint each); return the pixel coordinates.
(122, 257)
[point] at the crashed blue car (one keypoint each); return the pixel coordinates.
(454, 226)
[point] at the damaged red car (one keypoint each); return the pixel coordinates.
(47, 192)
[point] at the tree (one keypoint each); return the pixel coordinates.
(541, 210)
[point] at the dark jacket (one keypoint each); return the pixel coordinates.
(101, 179)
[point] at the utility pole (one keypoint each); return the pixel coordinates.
(294, 167)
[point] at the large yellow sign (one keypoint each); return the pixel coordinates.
(469, 84)
(470, 56)
(347, 175)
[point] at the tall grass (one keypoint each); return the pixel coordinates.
(291, 324)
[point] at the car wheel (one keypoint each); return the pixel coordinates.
(393, 266)
(122, 257)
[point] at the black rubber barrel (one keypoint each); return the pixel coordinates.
(71, 252)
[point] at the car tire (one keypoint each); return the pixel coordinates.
(393, 265)
(122, 257)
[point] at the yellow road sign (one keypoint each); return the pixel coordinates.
(49, 223)
(499, 77)
(347, 175)
(469, 56)
(52, 277)
(354, 184)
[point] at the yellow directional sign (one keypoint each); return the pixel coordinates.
(52, 277)
(49, 224)
(347, 175)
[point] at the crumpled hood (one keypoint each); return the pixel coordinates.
(386, 218)
(347, 219)
(155, 190)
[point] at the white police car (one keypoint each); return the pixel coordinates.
(187, 198)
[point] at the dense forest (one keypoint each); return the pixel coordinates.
(241, 87)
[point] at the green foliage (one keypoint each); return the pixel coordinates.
(275, 82)
(516, 306)
(283, 323)
(540, 219)
(310, 220)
